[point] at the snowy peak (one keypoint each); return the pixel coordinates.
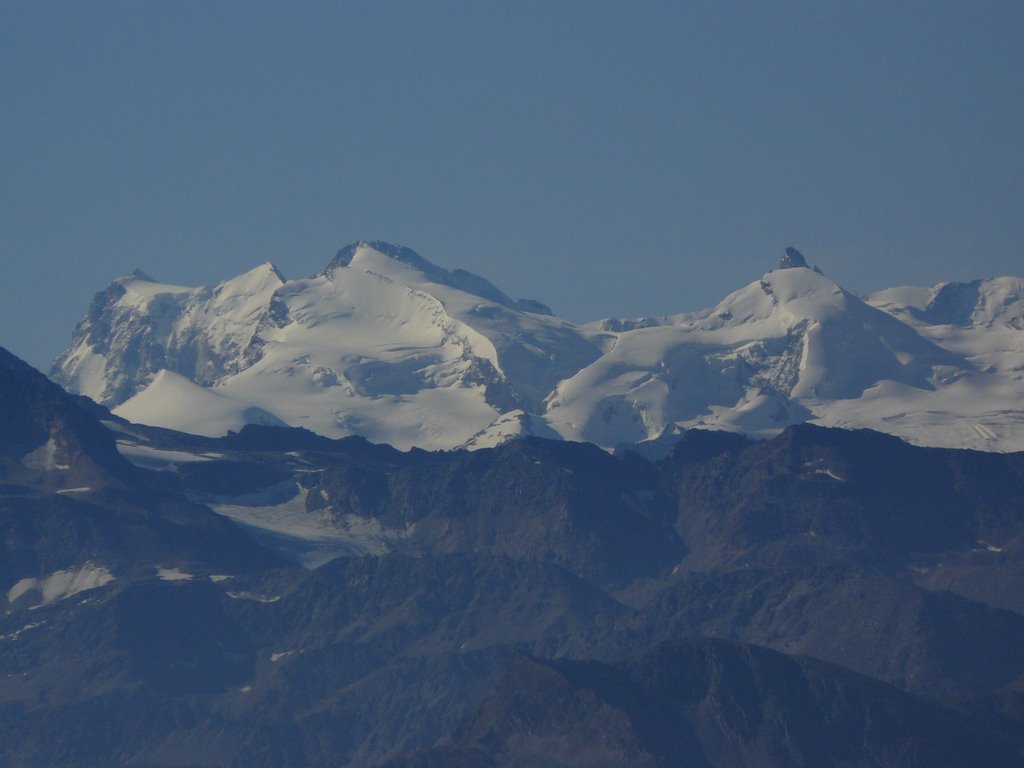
(138, 274)
(511, 426)
(804, 285)
(779, 351)
(139, 326)
(794, 294)
(364, 249)
(981, 320)
(404, 264)
(264, 277)
(772, 306)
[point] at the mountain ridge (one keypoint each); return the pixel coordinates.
(276, 597)
(385, 344)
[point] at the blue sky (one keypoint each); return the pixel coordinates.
(609, 159)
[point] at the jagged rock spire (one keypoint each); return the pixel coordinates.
(792, 258)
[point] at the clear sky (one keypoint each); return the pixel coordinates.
(609, 159)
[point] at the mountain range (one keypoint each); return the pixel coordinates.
(390, 517)
(386, 345)
(275, 597)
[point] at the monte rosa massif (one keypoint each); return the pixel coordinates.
(386, 345)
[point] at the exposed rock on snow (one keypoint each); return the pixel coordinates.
(792, 258)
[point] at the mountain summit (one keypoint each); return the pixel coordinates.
(792, 258)
(386, 344)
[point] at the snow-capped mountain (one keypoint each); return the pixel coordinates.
(767, 356)
(138, 326)
(382, 343)
(387, 345)
(941, 366)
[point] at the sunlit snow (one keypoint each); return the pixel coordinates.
(278, 517)
(385, 345)
(172, 574)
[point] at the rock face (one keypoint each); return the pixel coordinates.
(50, 437)
(792, 258)
(387, 345)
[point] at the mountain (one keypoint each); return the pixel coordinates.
(982, 321)
(791, 347)
(137, 327)
(387, 345)
(50, 438)
(944, 518)
(75, 514)
(278, 597)
(864, 619)
(382, 343)
(713, 704)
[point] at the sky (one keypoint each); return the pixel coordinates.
(609, 159)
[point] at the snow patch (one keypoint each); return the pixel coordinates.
(279, 518)
(253, 596)
(172, 574)
(44, 458)
(62, 584)
(17, 633)
(149, 457)
(509, 426)
(829, 473)
(987, 547)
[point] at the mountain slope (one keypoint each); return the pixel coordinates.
(812, 496)
(140, 628)
(712, 704)
(984, 322)
(76, 515)
(49, 438)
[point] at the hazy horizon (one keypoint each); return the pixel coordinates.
(604, 159)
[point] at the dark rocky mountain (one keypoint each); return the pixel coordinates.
(711, 703)
(73, 509)
(817, 496)
(49, 436)
(861, 618)
(602, 518)
(538, 603)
